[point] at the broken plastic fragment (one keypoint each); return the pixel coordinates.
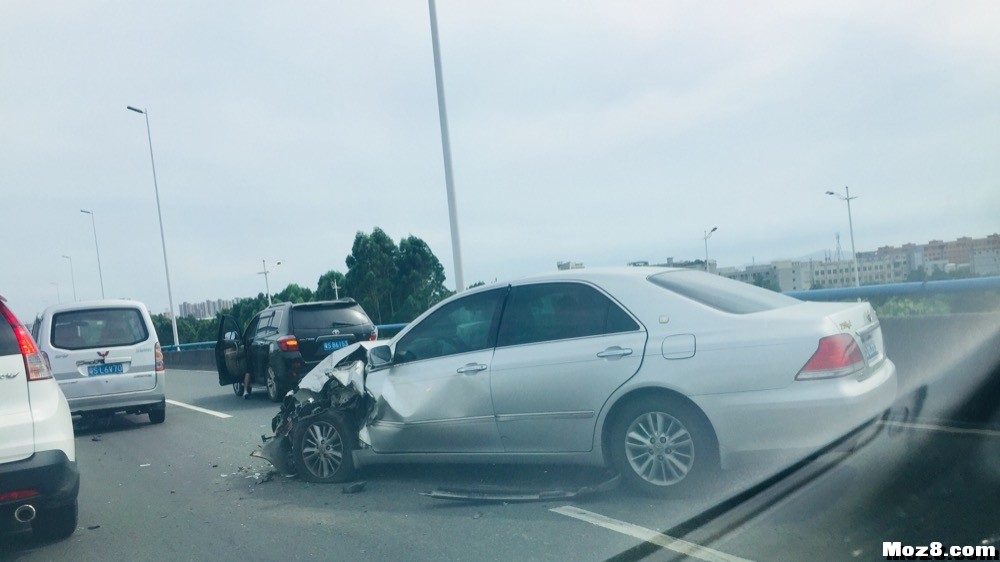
(500, 494)
(353, 487)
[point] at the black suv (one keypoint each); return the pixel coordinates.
(285, 341)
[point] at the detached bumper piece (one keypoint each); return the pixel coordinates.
(512, 495)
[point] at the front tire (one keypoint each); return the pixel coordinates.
(663, 446)
(322, 448)
(238, 389)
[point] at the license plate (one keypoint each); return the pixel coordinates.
(869, 349)
(334, 345)
(107, 369)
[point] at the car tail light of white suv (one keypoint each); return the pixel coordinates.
(35, 364)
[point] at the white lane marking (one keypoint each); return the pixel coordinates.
(944, 428)
(648, 535)
(197, 409)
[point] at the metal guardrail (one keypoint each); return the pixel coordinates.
(918, 288)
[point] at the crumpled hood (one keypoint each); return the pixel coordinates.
(317, 378)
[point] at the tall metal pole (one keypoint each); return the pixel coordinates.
(708, 234)
(456, 245)
(72, 275)
(98, 248)
(267, 286)
(159, 215)
(850, 222)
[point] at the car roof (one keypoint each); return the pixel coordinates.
(92, 304)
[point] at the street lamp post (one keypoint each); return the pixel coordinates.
(854, 254)
(264, 272)
(159, 214)
(708, 234)
(72, 275)
(456, 245)
(97, 247)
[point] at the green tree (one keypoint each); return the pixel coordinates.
(371, 273)
(293, 293)
(324, 287)
(419, 279)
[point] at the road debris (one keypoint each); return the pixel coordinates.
(353, 487)
(492, 493)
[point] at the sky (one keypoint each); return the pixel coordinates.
(596, 132)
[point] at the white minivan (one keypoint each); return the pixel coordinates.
(105, 356)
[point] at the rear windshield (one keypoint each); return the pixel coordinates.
(312, 318)
(720, 293)
(104, 327)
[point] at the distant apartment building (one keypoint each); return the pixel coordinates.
(564, 265)
(206, 309)
(888, 264)
(979, 255)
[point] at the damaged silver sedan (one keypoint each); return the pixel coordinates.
(663, 375)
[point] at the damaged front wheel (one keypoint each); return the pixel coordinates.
(322, 448)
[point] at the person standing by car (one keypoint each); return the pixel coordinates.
(247, 380)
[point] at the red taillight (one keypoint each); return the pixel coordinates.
(288, 343)
(158, 356)
(374, 335)
(34, 364)
(17, 495)
(837, 356)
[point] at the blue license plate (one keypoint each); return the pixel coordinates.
(108, 369)
(334, 345)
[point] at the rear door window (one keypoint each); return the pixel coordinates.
(559, 311)
(105, 327)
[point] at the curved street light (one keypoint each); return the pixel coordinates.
(97, 247)
(708, 234)
(267, 286)
(72, 275)
(159, 214)
(854, 254)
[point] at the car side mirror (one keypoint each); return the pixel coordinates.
(379, 356)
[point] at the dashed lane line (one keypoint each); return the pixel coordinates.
(197, 409)
(648, 535)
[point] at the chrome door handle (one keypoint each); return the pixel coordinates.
(472, 368)
(615, 351)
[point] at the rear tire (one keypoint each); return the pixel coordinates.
(322, 447)
(274, 389)
(157, 415)
(55, 523)
(663, 447)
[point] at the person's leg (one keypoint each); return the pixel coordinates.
(246, 385)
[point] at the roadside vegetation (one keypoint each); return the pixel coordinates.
(393, 283)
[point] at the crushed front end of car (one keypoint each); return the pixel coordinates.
(336, 385)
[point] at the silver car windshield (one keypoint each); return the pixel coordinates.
(721, 293)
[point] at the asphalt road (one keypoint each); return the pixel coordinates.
(187, 489)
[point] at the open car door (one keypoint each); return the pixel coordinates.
(230, 352)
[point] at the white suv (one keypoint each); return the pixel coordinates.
(105, 356)
(39, 481)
